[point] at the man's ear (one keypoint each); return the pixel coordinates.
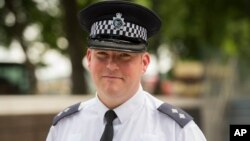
(145, 61)
(88, 57)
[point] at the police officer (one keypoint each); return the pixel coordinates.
(117, 59)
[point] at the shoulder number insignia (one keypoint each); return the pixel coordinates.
(177, 114)
(67, 112)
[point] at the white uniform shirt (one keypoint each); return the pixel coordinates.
(138, 120)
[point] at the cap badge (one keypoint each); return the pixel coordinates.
(118, 21)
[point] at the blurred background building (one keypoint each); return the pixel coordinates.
(199, 61)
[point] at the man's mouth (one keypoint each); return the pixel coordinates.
(111, 77)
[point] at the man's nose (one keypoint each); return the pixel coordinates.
(112, 64)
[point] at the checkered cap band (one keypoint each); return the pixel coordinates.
(130, 30)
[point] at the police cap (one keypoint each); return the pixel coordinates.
(119, 25)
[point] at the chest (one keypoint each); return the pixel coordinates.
(146, 126)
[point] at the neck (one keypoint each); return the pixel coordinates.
(115, 100)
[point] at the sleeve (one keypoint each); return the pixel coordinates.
(51, 135)
(191, 132)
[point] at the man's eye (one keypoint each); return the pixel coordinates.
(125, 56)
(102, 54)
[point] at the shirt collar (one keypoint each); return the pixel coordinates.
(101, 108)
(127, 109)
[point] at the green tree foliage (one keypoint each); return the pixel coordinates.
(17, 16)
(200, 28)
(204, 29)
(49, 16)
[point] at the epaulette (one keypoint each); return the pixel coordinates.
(67, 112)
(177, 114)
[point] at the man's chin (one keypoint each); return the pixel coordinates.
(111, 90)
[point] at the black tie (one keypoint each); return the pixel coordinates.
(109, 131)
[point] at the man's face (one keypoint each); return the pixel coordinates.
(116, 73)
